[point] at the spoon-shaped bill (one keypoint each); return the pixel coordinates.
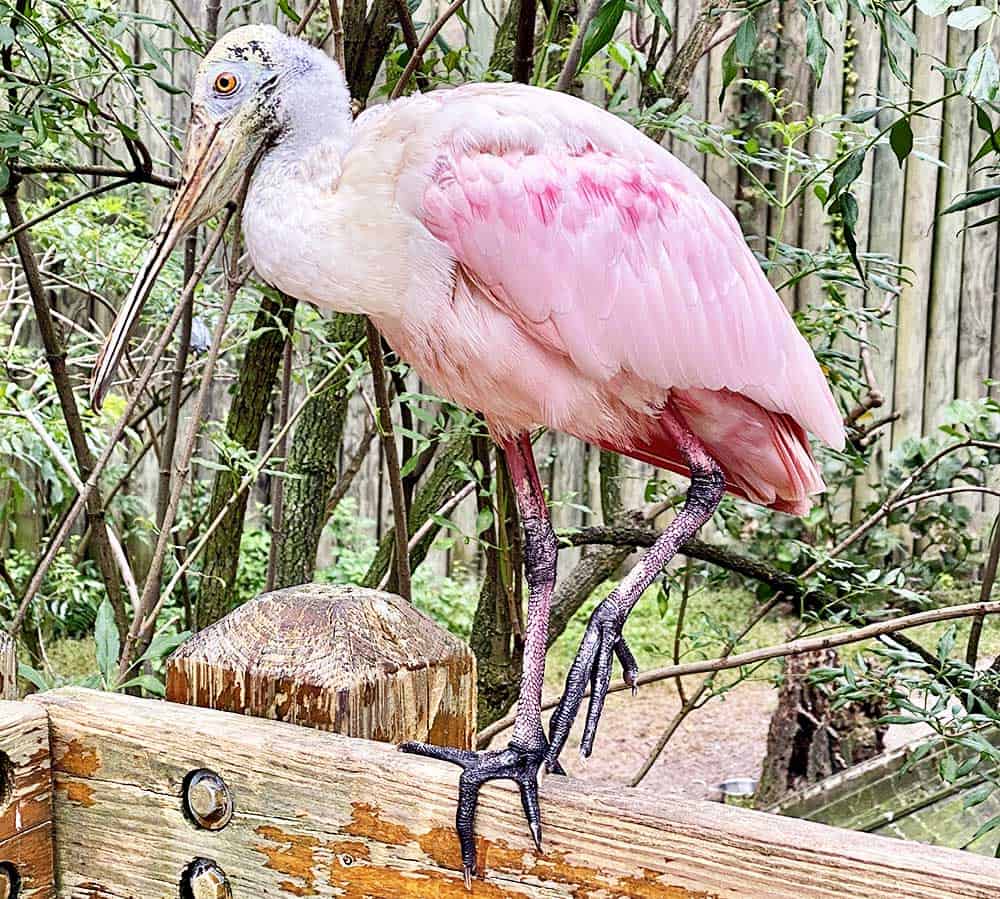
(192, 203)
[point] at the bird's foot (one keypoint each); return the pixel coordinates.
(516, 763)
(602, 642)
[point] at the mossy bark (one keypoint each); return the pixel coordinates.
(249, 409)
(312, 467)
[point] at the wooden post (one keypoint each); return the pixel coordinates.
(318, 814)
(8, 667)
(355, 661)
(26, 865)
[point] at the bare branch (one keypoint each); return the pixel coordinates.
(793, 647)
(416, 57)
(399, 510)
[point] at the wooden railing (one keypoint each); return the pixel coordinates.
(154, 800)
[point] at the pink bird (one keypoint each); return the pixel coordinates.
(536, 259)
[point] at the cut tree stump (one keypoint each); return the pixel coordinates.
(26, 865)
(358, 662)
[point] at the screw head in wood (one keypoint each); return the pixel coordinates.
(208, 802)
(204, 879)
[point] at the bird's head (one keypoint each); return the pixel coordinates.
(255, 86)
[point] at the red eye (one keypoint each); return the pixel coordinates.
(225, 83)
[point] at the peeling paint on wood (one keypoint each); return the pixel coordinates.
(345, 659)
(26, 798)
(319, 814)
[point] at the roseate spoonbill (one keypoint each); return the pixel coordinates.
(538, 260)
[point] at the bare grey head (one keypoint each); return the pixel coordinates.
(255, 91)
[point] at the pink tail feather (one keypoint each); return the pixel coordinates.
(765, 455)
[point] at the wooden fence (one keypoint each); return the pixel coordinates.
(112, 797)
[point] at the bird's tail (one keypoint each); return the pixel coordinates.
(765, 455)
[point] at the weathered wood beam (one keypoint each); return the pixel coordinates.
(26, 858)
(318, 814)
(355, 661)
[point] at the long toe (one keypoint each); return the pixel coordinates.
(515, 763)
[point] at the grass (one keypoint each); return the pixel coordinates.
(712, 616)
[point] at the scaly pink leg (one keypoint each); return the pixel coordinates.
(603, 637)
(523, 757)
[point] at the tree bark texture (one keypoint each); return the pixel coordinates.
(808, 740)
(312, 467)
(249, 409)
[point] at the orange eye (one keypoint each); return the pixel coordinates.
(225, 83)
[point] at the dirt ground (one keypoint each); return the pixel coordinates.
(724, 739)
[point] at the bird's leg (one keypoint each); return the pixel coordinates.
(523, 757)
(603, 637)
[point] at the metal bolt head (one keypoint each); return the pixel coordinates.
(208, 802)
(204, 879)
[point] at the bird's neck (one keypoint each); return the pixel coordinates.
(317, 223)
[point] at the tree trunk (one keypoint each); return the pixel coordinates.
(251, 402)
(808, 740)
(312, 466)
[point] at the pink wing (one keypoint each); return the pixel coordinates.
(608, 249)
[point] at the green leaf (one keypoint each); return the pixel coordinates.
(745, 41)
(973, 198)
(162, 644)
(948, 769)
(106, 639)
(901, 140)
(982, 75)
(289, 11)
(167, 86)
(990, 825)
(601, 30)
(148, 683)
(847, 173)
(484, 519)
(970, 18)
(729, 70)
(898, 24)
(816, 48)
(946, 643)
(33, 676)
(858, 116)
(657, 9)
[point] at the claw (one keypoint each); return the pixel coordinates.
(517, 763)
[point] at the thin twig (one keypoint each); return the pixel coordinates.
(337, 32)
(568, 74)
(400, 513)
(985, 589)
(249, 478)
(69, 521)
(151, 588)
(352, 468)
(692, 702)
(61, 207)
(416, 57)
(755, 656)
(277, 481)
